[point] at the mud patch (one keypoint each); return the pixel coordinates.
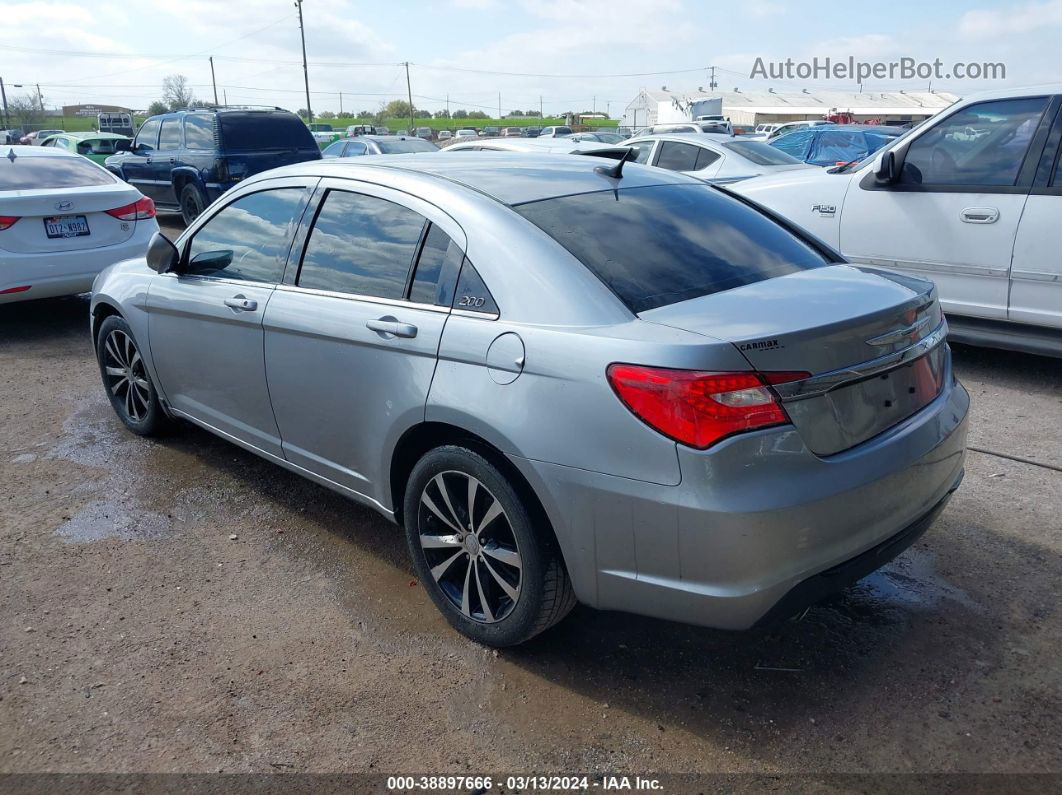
(99, 521)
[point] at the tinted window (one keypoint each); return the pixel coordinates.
(355, 148)
(642, 151)
(437, 266)
(362, 245)
(199, 131)
(51, 171)
(170, 137)
(409, 145)
(334, 149)
(983, 144)
(148, 137)
(760, 153)
(664, 244)
(705, 157)
(677, 157)
(1057, 180)
(472, 294)
(264, 131)
(248, 239)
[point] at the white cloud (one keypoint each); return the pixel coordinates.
(761, 9)
(991, 24)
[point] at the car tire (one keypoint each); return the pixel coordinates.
(474, 562)
(192, 202)
(125, 378)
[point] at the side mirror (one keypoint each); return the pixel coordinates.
(123, 145)
(162, 255)
(888, 172)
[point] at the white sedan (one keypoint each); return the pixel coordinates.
(63, 219)
(712, 157)
(562, 146)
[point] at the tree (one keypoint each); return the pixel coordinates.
(516, 113)
(422, 114)
(364, 114)
(478, 114)
(326, 114)
(176, 92)
(157, 107)
(533, 113)
(396, 109)
(26, 110)
(442, 114)
(460, 114)
(303, 113)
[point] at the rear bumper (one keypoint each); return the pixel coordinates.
(753, 518)
(66, 272)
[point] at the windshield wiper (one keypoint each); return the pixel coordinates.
(843, 167)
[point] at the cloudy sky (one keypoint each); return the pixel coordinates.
(571, 53)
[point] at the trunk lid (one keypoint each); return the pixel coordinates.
(81, 207)
(868, 338)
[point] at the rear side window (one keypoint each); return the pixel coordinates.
(437, 267)
(664, 244)
(170, 137)
(642, 150)
(361, 245)
(52, 171)
(248, 239)
(677, 157)
(198, 131)
(265, 131)
(334, 149)
(705, 157)
(472, 294)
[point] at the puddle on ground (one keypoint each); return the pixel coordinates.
(99, 521)
(913, 581)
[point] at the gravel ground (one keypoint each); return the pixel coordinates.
(136, 635)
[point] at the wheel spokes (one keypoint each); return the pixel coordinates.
(511, 592)
(439, 542)
(482, 598)
(427, 500)
(440, 570)
(509, 557)
(440, 484)
(493, 512)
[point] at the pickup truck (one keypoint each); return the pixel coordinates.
(970, 198)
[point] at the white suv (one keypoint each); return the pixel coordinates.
(971, 198)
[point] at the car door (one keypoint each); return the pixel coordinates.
(1036, 274)
(136, 165)
(953, 215)
(165, 160)
(351, 339)
(205, 323)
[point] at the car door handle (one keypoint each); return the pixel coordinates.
(390, 325)
(241, 304)
(980, 215)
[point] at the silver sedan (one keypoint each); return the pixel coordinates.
(711, 156)
(568, 379)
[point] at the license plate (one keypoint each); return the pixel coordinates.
(66, 226)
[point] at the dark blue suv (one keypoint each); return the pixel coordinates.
(186, 159)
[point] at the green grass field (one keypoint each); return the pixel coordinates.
(86, 123)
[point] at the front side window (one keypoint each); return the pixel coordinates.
(361, 245)
(248, 239)
(662, 244)
(148, 137)
(983, 144)
(437, 266)
(198, 131)
(677, 157)
(170, 137)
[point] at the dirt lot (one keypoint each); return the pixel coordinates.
(137, 635)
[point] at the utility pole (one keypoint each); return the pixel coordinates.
(7, 114)
(711, 81)
(595, 104)
(448, 106)
(340, 104)
(499, 105)
(225, 94)
(40, 97)
(540, 106)
(409, 96)
(213, 81)
(305, 68)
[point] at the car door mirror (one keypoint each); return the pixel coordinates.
(888, 170)
(162, 255)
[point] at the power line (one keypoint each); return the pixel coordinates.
(567, 75)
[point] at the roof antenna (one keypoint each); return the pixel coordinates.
(616, 171)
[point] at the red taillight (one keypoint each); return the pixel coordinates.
(699, 409)
(137, 211)
(7, 221)
(10, 290)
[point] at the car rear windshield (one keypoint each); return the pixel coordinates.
(265, 131)
(663, 244)
(760, 153)
(409, 145)
(32, 173)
